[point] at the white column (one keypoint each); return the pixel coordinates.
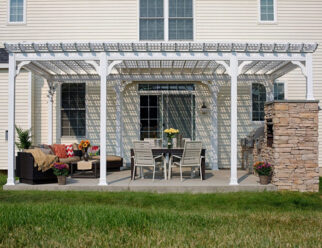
(309, 77)
(103, 74)
(233, 120)
(214, 135)
(11, 120)
(50, 112)
(29, 100)
(118, 124)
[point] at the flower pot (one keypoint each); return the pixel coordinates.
(264, 179)
(61, 180)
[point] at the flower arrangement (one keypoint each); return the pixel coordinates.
(60, 169)
(263, 168)
(171, 132)
(84, 145)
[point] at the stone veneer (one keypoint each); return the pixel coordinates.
(294, 153)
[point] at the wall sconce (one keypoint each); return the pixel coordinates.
(6, 135)
(204, 109)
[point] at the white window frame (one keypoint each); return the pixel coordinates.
(24, 14)
(166, 22)
(260, 21)
(251, 102)
(279, 82)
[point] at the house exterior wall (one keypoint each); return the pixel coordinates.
(118, 20)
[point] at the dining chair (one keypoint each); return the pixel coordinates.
(143, 157)
(191, 157)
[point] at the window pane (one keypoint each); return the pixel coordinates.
(151, 29)
(180, 29)
(279, 91)
(73, 114)
(258, 102)
(16, 10)
(267, 10)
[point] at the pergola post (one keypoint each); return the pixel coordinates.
(309, 76)
(214, 134)
(11, 119)
(233, 119)
(118, 124)
(103, 75)
(51, 92)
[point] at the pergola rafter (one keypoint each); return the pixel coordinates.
(135, 61)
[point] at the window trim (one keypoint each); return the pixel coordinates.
(60, 116)
(251, 102)
(260, 21)
(166, 23)
(24, 14)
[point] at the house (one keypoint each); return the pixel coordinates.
(167, 61)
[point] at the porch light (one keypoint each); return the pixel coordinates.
(204, 109)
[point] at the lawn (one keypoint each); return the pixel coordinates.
(97, 219)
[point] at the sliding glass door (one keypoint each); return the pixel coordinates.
(161, 111)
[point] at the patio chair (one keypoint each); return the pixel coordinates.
(191, 157)
(143, 157)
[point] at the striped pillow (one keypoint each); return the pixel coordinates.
(69, 151)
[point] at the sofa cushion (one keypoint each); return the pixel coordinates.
(69, 160)
(47, 151)
(109, 158)
(75, 146)
(60, 150)
(69, 151)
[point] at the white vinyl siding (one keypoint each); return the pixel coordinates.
(17, 11)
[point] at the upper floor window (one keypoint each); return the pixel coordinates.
(154, 14)
(267, 10)
(279, 91)
(151, 20)
(17, 11)
(258, 102)
(180, 20)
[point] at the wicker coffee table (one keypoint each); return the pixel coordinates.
(94, 172)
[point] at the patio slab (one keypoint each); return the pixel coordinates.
(216, 181)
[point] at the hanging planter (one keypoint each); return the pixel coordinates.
(204, 109)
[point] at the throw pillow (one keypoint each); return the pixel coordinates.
(95, 150)
(46, 151)
(60, 151)
(69, 151)
(75, 146)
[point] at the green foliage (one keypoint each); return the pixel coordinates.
(129, 219)
(24, 138)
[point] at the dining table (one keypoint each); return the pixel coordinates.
(167, 153)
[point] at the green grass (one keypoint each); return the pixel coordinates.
(125, 219)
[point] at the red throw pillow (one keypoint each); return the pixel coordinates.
(69, 151)
(60, 151)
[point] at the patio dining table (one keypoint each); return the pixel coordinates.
(167, 152)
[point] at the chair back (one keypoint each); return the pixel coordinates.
(192, 153)
(143, 153)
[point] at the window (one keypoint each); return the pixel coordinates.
(279, 91)
(267, 10)
(258, 101)
(180, 20)
(17, 11)
(73, 114)
(151, 20)
(153, 14)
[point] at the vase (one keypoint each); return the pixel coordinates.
(86, 156)
(61, 180)
(170, 143)
(264, 179)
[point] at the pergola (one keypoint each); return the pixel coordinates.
(63, 62)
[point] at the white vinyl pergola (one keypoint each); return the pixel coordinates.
(63, 62)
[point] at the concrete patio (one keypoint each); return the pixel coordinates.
(216, 181)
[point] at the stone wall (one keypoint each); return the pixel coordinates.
(294, 152)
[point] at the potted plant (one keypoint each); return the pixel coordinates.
(84, 145)
(264, 171)
(61, 171)
(24, 138)
(171, 132)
